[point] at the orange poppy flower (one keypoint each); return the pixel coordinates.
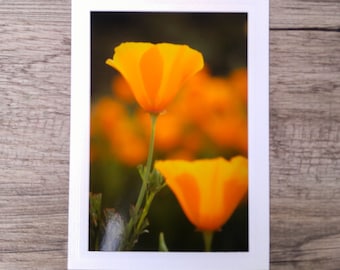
(208, 190)
(155, 72)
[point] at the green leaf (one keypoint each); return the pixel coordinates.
(156, 181)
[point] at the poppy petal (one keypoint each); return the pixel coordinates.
(236, 185)
(126, 60)
(155, 72)
(151, 66)
(180, 63)
(208, 190)
(187, 193)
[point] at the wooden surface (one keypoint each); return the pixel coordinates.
(304, 138)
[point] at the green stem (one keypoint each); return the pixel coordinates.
(145, 210)
(130, 232)
(207, 237)
(151, 145)
(148, 163)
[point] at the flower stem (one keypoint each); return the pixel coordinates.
(148, 163)
(207, 237)
(151, 145)
(145, 211)
(135, 224)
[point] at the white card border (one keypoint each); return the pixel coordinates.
(258, 136)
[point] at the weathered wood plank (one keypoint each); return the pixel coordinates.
(310, 14)
(305, 155)
(34, 143)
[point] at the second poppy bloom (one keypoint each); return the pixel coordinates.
(208, 190)
(155, 72)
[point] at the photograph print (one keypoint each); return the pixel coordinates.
(168, 132)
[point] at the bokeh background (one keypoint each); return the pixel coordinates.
(207, 119)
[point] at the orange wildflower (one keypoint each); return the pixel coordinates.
(127, 144)
(238, 80)
(155, 72)
(121, 90)
(217, 106)
(169, 130)
(208, 190)
(112, 126)
(104, 115)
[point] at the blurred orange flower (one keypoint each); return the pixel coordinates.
(208, 190)
(104, 114)
(122, 91)
(114, 130)
(207, 118)
(169, 130)
(218, 107)
(238, 80)
(155, 72)
(128, 143)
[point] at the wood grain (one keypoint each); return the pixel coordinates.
(305, 14)
(305, 150)
(304, 139)
(34, 143)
